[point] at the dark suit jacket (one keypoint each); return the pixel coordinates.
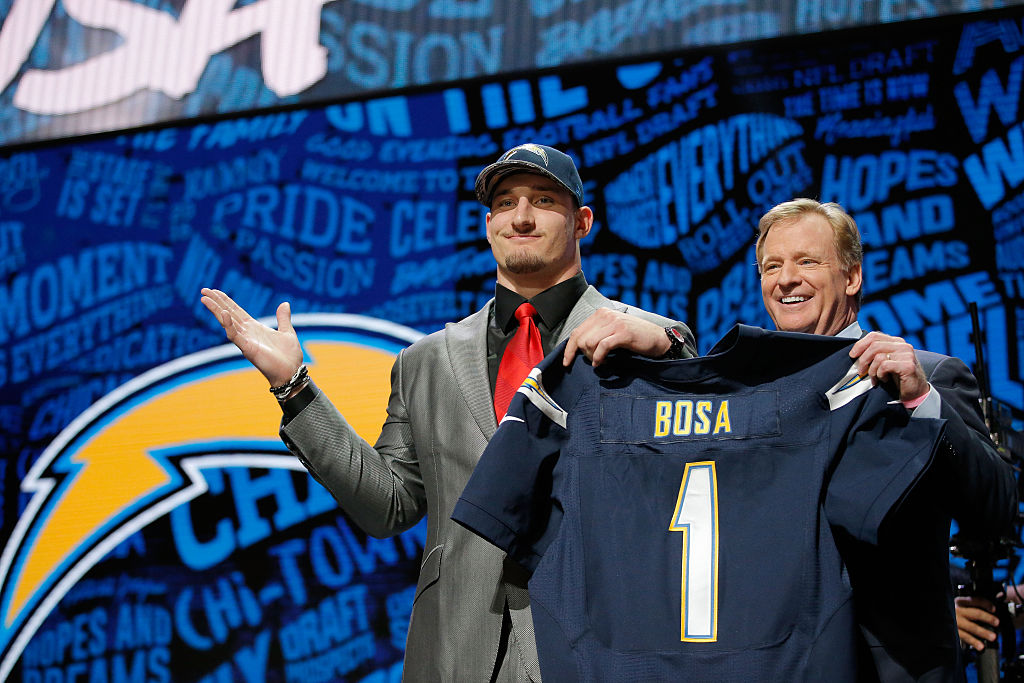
(901, 587)
(440, 417)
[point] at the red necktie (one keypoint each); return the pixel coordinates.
(522, 353)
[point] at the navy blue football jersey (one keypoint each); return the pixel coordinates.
(677, 515)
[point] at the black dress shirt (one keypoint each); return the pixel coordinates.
(553, 306)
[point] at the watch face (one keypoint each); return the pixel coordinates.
(675, 334)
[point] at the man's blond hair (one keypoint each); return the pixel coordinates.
(845, 235)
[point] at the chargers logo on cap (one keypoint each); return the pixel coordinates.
(529, 147)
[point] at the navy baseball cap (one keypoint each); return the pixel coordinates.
(530, 158)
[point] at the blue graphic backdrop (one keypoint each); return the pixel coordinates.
(366, 207)
(178, 59)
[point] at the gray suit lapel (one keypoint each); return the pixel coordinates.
(467, 352)
(584, 308)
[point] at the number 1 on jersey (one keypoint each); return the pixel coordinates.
(696, 515)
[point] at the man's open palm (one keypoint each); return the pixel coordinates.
(275, 353)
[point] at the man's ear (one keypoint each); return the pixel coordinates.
(854, 280)
(487, 223)
(584, 221)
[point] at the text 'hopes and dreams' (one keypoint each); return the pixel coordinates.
(861, 181)
(131, 644)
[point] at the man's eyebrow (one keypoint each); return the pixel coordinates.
(776, 257)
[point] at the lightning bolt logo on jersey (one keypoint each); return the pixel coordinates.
(140, 452)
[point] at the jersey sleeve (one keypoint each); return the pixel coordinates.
(507, 500)
(882, 454)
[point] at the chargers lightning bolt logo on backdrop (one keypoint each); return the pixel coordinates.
(139, 452)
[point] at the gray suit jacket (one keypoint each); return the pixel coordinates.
(440, 418)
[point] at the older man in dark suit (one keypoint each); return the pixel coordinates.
(471, 615)
(809, 255)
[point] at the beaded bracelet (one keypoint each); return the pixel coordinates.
(281, 392)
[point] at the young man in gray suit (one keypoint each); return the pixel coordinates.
(471, 615)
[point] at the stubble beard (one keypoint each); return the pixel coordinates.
(523, 263)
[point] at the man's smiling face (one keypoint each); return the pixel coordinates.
(803, 284)
(534, 228)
